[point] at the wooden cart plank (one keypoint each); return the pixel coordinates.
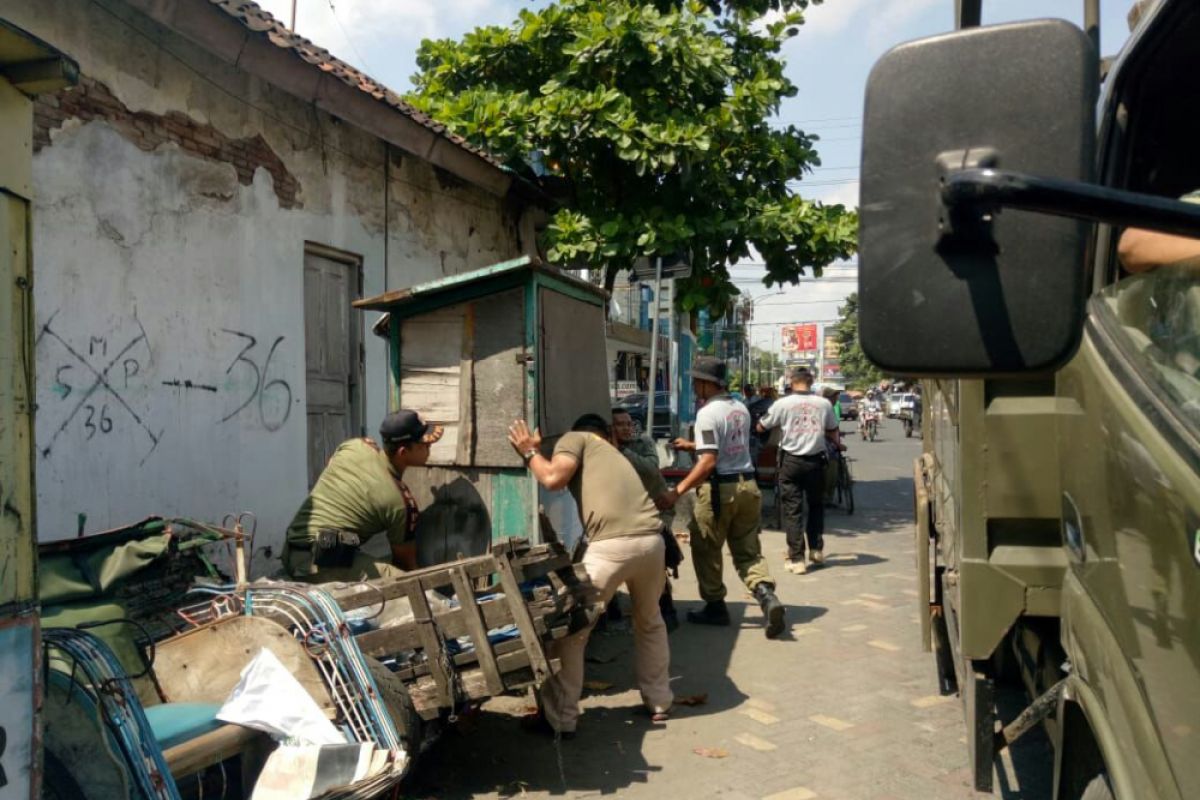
(517, 675)
(452, 624)
(523, 620)
(478, 631)
(431, 640)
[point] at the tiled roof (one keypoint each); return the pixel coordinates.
(261, 22)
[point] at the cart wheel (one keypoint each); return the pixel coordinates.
(399, 704)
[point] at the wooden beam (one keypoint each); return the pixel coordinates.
(431, 641)
(478, 631)
(44, 75)
(524, 622)
(209, 748)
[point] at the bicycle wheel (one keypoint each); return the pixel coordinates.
(846, 486)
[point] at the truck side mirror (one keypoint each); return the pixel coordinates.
(968, 288)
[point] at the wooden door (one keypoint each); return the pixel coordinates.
(332, 354)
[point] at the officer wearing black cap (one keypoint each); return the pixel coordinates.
(361, 493)
(728, 502)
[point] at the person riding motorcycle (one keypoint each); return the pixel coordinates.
(869, 416)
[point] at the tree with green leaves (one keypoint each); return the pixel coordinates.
(856, 369)
(653, 119)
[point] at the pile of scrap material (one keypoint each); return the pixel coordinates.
(168, 680)
(460, 632)
(155, 685)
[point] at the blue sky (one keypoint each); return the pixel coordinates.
(829, 61)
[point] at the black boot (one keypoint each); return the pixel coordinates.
(713, 613)
(772, 609)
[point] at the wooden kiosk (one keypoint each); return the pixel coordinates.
(473, 352)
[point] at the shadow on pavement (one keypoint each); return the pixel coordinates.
(489, 751)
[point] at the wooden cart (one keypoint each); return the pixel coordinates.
(525, 595)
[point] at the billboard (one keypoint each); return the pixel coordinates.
(831, 344)
(799, 338)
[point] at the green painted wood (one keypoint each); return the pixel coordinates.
(586, 293)
(417, 306)
(511, 510)
(389, 300)
(532, 328)
(394, 377)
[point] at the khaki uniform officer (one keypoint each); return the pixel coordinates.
(361, 493)
(728, 502)
(624, 547)
(643, 455)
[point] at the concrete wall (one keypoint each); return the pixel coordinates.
(174, 197)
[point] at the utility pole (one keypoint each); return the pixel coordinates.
(672, 333)
(292, 27)
(652, 389)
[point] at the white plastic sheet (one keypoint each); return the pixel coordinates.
(269, 698)
(300, 773)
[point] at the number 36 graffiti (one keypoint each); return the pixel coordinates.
(272, 398)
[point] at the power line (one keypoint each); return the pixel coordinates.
(847, 266)
(826, 127)
(353, 46)
(823, 119)
(810, 184)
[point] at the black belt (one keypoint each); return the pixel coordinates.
(714, 482)
(736, 477)
(807, 456)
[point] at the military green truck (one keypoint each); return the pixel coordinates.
(1058, 495)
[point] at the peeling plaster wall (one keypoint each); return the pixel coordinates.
(169, 277)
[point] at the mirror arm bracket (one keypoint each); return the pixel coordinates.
(971, 197)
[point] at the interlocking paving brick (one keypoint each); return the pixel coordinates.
(754, 742)
(760, 704)
(832, 722)
(795, 793)
(759, 716)
(853, 722)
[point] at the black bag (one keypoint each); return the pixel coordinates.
(674, 552)
(334, 548)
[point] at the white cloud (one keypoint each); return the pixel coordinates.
(846, 194)
(381, 36)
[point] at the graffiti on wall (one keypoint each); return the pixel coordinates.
(92, 381)
(102, 384)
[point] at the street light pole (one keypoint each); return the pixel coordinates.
(750, 324)
(652, 389)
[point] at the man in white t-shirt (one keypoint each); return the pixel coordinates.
(806, 422)
(728, 501)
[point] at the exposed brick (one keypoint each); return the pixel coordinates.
(92, 100)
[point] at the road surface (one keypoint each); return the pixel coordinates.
(845, 706)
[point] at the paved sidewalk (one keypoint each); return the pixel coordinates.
(845, 706)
